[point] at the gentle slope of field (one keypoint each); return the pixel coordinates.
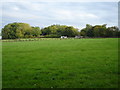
(78, 63)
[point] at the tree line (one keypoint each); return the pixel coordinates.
(24, 30)
(100, 31)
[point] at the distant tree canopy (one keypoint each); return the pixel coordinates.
(19, 30)
(60, 30)
(24, 30)
(100, 31)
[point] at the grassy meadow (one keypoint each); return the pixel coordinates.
(66, 63)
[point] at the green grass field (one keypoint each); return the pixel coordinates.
(78, 63)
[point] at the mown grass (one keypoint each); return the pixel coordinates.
(78, 63)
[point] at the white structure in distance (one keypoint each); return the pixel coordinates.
(78, 36)
(63, 37)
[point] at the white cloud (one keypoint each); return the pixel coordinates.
(44, 13)
(70, 15)
(15, 8)
(60, 0)
(62, 15)
(20, 15)
(32, 6)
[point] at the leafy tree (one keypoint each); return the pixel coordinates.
(19, 30)
(24, 30)
(60, 30)
(112, 31)
(99, 30)
(36, 31)
(83, 32)
(89, 31)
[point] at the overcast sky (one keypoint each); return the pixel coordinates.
(76, 14)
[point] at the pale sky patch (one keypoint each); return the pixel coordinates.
(76, 14)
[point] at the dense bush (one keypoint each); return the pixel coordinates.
(52, 36)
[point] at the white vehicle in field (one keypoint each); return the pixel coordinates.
(63, 36)
(78, 36)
